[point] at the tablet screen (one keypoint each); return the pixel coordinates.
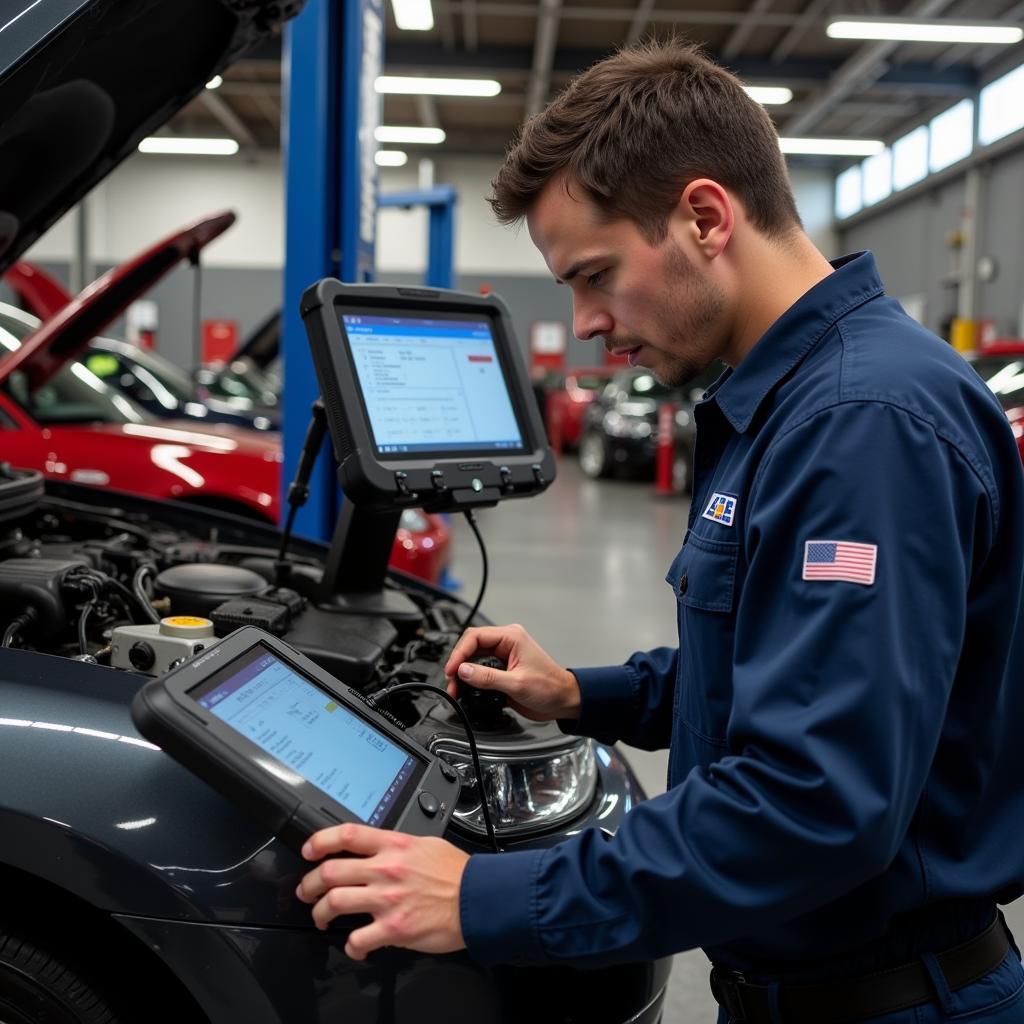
(432, 385)
(272, 705)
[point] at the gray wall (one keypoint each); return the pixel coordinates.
(909, 240)
(249, 294)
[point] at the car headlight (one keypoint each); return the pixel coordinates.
(525, 792)
(617, 425)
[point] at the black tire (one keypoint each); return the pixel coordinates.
(40, 987)
(593, 455)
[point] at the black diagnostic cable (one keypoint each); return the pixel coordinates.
(439, 692)
(471, 519)
(140, 591)
(298, 491)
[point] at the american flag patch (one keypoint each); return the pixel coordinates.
(840, 560)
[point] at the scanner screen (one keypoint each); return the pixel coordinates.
(303, 728)
(432, 385)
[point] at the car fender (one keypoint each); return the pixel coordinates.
(88, 805)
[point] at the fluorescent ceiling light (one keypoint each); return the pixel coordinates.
(428, 136)
(924, 30)
(438, 86)
(391, 158)
(413, 15)
(769, 94)
(215, 83)
(832, 147)
(188, 147)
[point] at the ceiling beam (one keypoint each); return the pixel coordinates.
(543, 57)
(426, 109)
(859, 71)
(220, 109)
(470, 34)
(623, 14)
(807, 20)
(741, 33)
(639, 22)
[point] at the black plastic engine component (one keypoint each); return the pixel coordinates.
(20, 491)
(36, 583)
(485, 708)
(348, 646)
(231, 615)
(198, 589)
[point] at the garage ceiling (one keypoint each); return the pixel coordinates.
(840, 88)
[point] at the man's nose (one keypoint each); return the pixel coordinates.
(590, 322)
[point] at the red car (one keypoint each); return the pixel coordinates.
(565, 404)
(57, 416)
(1001, 366)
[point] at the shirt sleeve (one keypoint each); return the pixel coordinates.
(840, 690)
(631, 703)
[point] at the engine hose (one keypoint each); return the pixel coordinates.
(26, 618)
(140, 591)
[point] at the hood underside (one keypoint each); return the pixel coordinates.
(83, 81)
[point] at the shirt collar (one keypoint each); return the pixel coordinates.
(740, 392)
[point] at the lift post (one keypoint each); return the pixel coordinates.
(440, 204)
(333, 53)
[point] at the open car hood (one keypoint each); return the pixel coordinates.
(65, 335)
(39, 292)
(83, 81)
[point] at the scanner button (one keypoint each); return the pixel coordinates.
(449, 772)
(429, 804)
(477, 484)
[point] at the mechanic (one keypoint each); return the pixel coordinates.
(845, 708)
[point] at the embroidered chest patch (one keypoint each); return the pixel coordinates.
(721, 509)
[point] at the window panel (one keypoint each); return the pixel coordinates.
(877, 177)
(848, 192)
(952, 135)
(1000, 110)
(910, 158)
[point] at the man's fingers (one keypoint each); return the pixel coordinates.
(331, 872)
(366, 940)
(354, 899)
(348, 838)
(486, 637)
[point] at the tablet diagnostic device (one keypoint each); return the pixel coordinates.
(427, 397)
(286, 741)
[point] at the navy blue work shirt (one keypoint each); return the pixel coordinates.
(846, 704)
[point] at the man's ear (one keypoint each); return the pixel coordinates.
(708, 214)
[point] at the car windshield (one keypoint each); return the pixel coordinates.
(1004, 375)
(73, 394)
(590, 381)
(643, 385)
(172, 377)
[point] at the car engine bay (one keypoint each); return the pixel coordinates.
(138, 586)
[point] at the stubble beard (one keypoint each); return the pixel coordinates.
(690, 321)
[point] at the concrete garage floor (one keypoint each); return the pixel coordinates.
(582, 568)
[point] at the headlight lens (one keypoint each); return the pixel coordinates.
(525, 793)
(624, 426)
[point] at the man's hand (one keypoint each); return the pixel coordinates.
(409, 884)
(537, 687)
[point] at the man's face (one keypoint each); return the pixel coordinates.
(647, 302)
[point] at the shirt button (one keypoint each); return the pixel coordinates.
(683, 584)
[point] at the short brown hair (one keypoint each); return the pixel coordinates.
(634, 129)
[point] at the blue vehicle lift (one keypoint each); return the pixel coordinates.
(333, 53)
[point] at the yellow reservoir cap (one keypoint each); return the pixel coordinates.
(187, 627)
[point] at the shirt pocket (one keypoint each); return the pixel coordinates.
(704, 578)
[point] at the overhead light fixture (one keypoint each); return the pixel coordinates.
(391, 158)
(427, 136)
(215, 83)
(413, 15)
(188, 147)
(926, 30)
(832, 147)
(437, 86)
(769, 95)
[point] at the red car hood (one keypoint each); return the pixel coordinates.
(222, 438)
(63, 337)
(41, 293)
